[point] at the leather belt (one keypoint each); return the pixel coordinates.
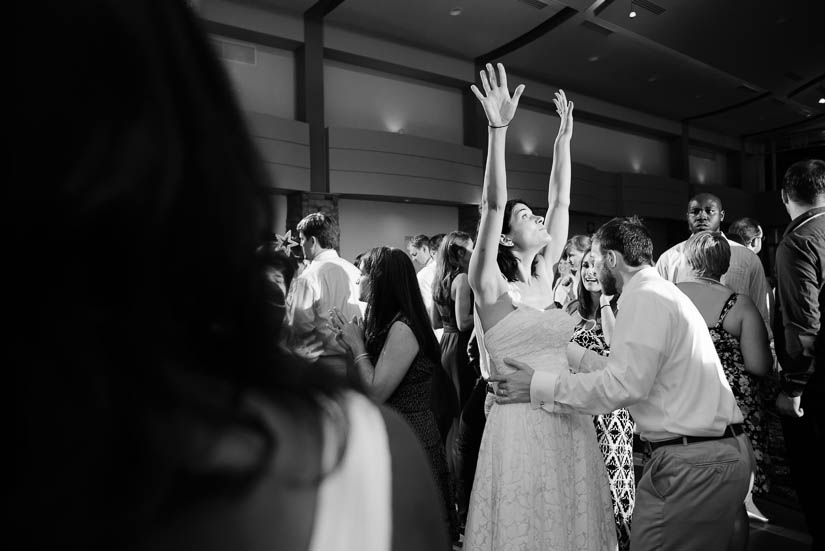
(730, 432)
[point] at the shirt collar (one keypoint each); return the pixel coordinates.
(799, 220)
(645, 274)
(326, 254)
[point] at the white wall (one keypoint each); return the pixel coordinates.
(533, 132)
(266, 87)
(367, 224)
(360, 98)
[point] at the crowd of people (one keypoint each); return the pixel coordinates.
(189, 383)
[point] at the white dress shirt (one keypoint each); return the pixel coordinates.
(745, 275)
(329, 281)
(662, 366)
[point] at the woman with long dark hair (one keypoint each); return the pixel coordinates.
(395, 355)
(158, 410)
(453, 311)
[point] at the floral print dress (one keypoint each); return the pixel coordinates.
(747, 389)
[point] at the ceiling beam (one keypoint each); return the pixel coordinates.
(536, 32)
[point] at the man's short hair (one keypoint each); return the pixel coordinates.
(744, 230)
(627, 235)
(804, 181)
(419, 241)
(707, 253)
(322, 227)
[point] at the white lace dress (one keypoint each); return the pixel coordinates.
(540, 482)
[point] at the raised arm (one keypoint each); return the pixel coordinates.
(557, 220)
(484, 275)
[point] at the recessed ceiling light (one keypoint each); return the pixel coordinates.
(593, 58)
(632, 14)
(455, 11)
(821, 100)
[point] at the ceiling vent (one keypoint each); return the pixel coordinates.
(589, 25)
(232, 51)
(538, 4)
(655, 9)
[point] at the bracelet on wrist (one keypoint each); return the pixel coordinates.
(360, 357)
(502, 126)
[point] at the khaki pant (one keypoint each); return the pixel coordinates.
(689, 495)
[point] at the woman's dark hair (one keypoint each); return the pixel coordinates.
(272, 255)
(507, 261)
(144, 329)
(394, 292)
(584, 303)
(449, 264)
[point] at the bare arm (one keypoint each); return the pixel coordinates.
(435, 317)
(463, 297)
(753, 339)
(380, 379)
(484, 275)
(557, 220)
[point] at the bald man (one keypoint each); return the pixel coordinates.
(745, 275)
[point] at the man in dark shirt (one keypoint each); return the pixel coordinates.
(800, 271)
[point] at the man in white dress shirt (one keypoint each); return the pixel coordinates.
(328, 282)
(664, 368)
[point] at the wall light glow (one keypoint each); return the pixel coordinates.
(394, 123)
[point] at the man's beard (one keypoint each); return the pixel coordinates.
(608, 280)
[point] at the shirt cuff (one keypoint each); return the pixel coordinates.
(543, 390)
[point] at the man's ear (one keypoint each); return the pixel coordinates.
(506, 241)
(784, 195)
(612, 258)
(721, 215)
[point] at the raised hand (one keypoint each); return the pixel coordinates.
(498, 105)
(565, 110)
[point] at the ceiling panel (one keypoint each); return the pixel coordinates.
(772, 44)
(762, 115)
(482, 25)
(623, 70)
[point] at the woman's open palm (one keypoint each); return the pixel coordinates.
(498, 105)
(565, 110)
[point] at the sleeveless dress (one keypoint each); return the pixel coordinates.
(747, 390)
(614, 432)
(412, 400)
(540, 481)
(454, 357)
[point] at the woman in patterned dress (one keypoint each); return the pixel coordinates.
(614, 430)
(742, 343)
(395, 354)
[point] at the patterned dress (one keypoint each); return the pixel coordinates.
(614, 432)
(748, 392)
(412, 400)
